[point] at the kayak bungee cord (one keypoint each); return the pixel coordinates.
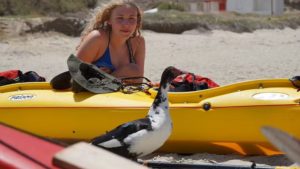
(131, 87)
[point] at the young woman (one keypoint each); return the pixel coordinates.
(113, 42)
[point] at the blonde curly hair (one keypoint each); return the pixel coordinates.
(103, 14)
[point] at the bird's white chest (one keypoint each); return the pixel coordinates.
(145, 142)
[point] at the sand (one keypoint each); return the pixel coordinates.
(225, 57)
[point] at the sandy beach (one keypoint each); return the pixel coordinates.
(225, 57)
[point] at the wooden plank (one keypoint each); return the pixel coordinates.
(284, 142)
(84, 155)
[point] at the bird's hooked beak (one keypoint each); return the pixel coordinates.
(169, 74)
(178, 72)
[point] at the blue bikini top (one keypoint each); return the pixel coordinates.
(105, 59)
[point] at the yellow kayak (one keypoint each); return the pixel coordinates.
(221, 120)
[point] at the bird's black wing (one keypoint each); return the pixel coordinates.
(124, 130)
(120, 133)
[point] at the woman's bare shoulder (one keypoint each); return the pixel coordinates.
(93, 45)
(97, 36)
(138, 39)
(137, 42)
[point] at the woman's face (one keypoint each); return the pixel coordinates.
(123, 20)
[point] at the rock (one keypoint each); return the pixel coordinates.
(11, 27)
(67, 25)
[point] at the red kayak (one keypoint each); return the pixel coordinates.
(19, 149)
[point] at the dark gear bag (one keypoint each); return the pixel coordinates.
(61, 81)
(191, 82)
(10, 76)
(64, 81)
(16, 76)
(32, 76)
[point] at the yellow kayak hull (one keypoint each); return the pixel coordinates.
(222, 120)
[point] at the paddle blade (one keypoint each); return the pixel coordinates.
(284, 142)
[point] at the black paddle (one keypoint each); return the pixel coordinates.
(164, 165)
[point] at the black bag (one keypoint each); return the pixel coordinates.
(61, 81)
(32, 76)
(17, 76)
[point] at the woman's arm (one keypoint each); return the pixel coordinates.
(134, 69)
(139, 54)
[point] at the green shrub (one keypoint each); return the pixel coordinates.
(91, 3)
(13, 7)
(70, 5)
(170, 6)
(44, 7)
(2, 9)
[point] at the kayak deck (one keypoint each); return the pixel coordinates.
(221, 120)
